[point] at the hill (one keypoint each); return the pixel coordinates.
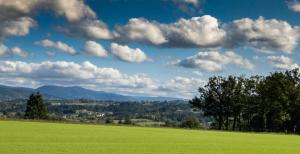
(7, 93)
(75, 92)
(58, 92)
(49, 138)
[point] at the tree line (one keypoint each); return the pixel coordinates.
(257, 103)
(123, 112)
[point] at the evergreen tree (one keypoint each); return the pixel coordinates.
(35, 108)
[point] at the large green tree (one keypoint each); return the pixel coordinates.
(211, 100)
(35, 108)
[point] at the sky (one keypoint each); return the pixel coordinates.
(142, 47)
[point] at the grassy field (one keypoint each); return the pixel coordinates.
(57, 138)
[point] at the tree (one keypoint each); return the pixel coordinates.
(293, 110)
(190, 123)
(127, 121)
(35, 108)
(270, 103)
(275, 94)
(109, 121)
(250, 104)
(211, 100)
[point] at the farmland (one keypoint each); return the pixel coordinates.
(23, 137)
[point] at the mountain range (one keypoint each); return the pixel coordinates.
(75, 92)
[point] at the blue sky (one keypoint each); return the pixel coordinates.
(139, 47)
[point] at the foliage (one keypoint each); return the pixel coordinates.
(127, 121)
(190, 123)
(89, 110)
(257, 103)
(35, 108)
(109, 121)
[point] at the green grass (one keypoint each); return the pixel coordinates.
(18, 137)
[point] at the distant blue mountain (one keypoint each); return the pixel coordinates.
(8, 93)
(60, 92)
(79, 92)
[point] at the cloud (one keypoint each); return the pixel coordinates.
(95, 49)
(15, 17)
(89, 29)
(62, 72)
(262, 34)
(88, 75)
(51, 53)
(83, 21)
(198, 32)
(207, 32)
(140, 30)
(181, 87)
(294, 6)
(5, 51)
(18, 27)
(127, 54)
(73, 10)
(187, 33)
(194, 2)
(282, 62)
(197, 73)
(215, 61)
(188, 6)
(57, 45)
(12, 9)
(18, 51)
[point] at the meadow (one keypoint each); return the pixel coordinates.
(22, 137)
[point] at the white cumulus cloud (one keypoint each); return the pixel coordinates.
(89, 75)
(294, 6)
(18, 51)
(282, 62)
(215, 61)
(57, 45)
(187, 87)
(73, 10)
(17, 27)
(140, 30)
(5, 51)
(262, 34)
(82, 20)
(207, 32)
(127, 54)
(95, 49)
(196, 32)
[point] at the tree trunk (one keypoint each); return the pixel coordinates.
(240, 125)
(220, 119)
(227, 122)
(234, 123)
(227, 119)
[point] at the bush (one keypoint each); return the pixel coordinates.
(127, 121)
(109, 121)
(190, 123)
(120, 122)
